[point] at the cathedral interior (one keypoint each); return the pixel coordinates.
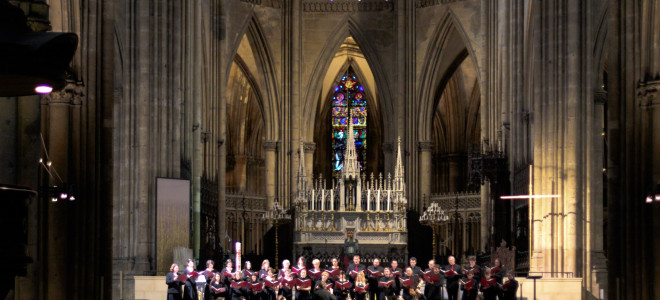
(293, 126)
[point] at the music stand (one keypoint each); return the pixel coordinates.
(535, 277)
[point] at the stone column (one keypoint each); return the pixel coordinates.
(425, 168)
(389, 158)
(596, 273)
(291, 100)
(562, 80)
(221, 42)
(485, 214)
(240, 173)
(56, 108)
(270, 149)
(648, 96)
(309, 162)
(454, 172)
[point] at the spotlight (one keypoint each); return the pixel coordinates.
(29, 59)
(49, 163)
(54, 199)
(654, 194)
(43, 89)
(63, 196)
(72, 198)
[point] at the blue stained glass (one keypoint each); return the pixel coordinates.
(349, 94)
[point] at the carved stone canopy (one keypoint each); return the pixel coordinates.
(648, 93)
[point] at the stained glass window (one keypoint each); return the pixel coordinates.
(349, 96)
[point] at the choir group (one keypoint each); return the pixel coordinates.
(355, 282)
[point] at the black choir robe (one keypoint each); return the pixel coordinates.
(470, 294)
(387, 293)
(173, 286)
(218, 285)
(321, 293)
(373, 282)
(452, 281)
(234, 293)
(406, 291)
(342, 294)
(510, 292)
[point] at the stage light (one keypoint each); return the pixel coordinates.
(63, 196)
(72, 198)
(43, 89)
(649, 199)
(53, 199)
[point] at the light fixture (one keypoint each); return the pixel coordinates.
(53, 199)
(654, 194)
(63, 195)
(72, 198)
(43, 89)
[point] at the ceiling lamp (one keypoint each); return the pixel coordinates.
(31, 60)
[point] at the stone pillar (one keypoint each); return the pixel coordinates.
(56, 116)
(29, 151)
(197, 86)
(221, 42)
(292, 102)
(648, 96)
(596, 274)
(309, 162)
(270, 149)
(8, 134)
(425, 168)
(240, 173)
(455, 173)
(485, 214)
(389, 158)
(562, 127)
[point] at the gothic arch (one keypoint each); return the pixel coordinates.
(374, 121)
(439, 65)
(348, 27)
(600, 46)
(264, 79)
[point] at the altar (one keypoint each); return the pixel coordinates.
(354, 215)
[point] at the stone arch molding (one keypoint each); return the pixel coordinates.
(347, 27)
(265, 82)
(600, 46)
(441, 61)
(373, 105)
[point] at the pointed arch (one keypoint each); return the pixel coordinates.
(347, 27)
(374, 121)
(265, 78)
(361, 78)
(439, 64)
(600, 46)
